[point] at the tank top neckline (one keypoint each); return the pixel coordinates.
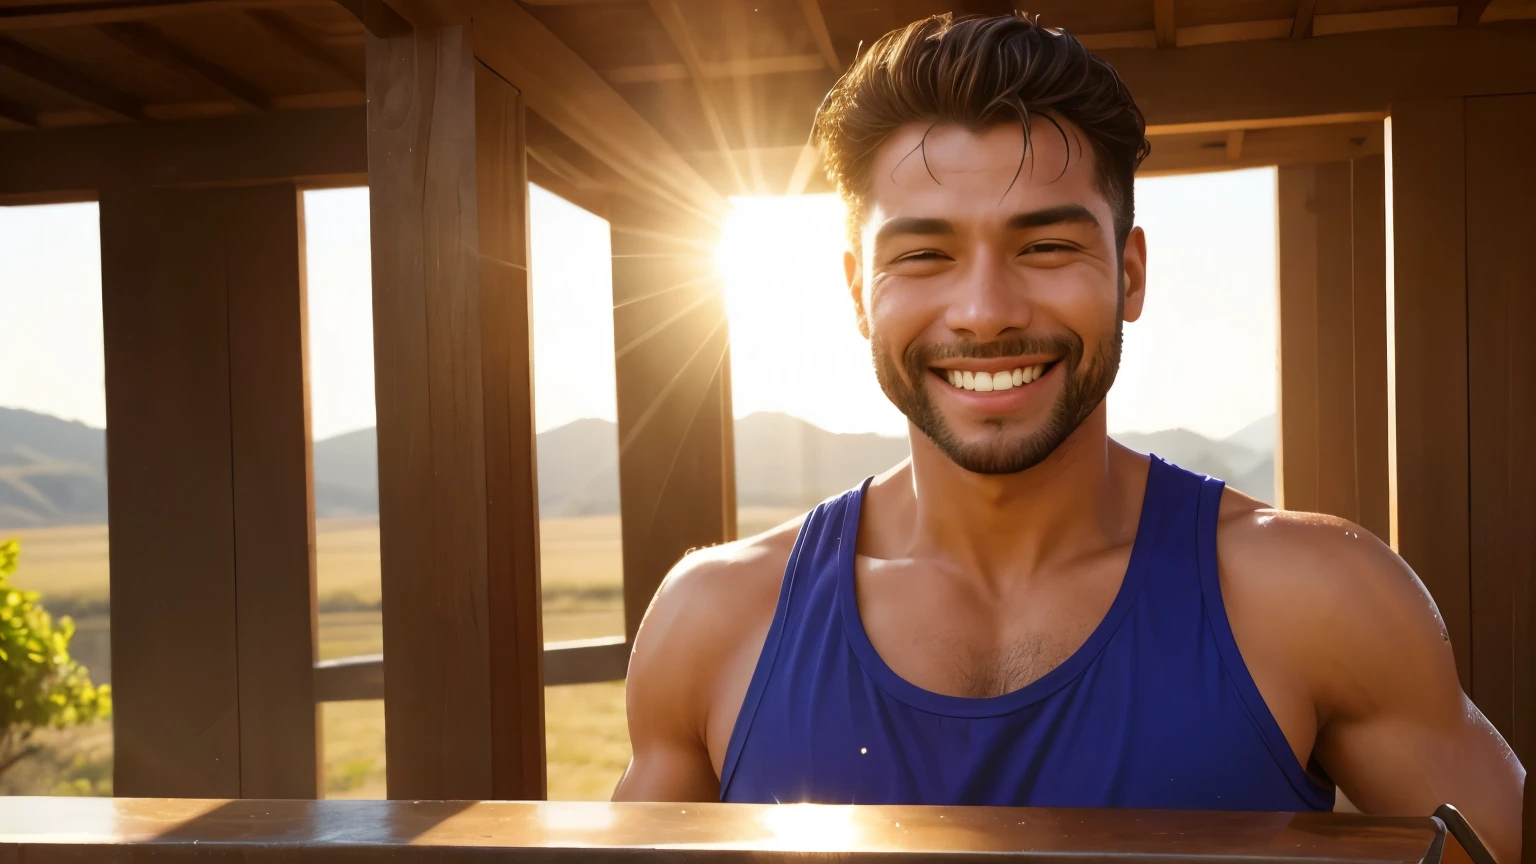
(991, 706)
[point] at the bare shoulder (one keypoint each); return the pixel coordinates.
(1325, 598)
(713, 607)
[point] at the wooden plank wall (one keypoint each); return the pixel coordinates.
(671, 346)
(1427, 358)
(1501, 366)
(212, 568)
(1332, 342)
(457, 506)
(1464, 408)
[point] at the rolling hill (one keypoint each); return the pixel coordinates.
(53, 472)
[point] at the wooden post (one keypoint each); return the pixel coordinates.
(458, 508)
(1332, 343)
(1427, 356)
(676, 453)
(1501, 366)
(210, 503)
(1369, 257)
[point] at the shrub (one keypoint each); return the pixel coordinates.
(40, 685)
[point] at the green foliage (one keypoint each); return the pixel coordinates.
(40, 685)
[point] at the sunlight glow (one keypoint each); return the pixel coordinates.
(811, 827)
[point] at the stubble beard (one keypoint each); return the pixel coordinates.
(1084, 389)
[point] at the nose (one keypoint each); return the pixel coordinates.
(988, 301)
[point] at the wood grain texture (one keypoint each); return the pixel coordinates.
(212, 561)
(676, 464)
(512, 495)
(458, 513)
(1501, 314)
(108, 830)
(273, 494)
(1369, 265)
(1317, 383)
(175, 676)
(316, 146)
(1427, 358)
(1300, 77)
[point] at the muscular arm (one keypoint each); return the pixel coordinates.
(1398, 734)
(692, 661)
(1333, 617)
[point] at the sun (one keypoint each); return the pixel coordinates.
(795, 344)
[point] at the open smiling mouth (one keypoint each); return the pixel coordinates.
(992, 381)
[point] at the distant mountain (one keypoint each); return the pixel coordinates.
(53, 471)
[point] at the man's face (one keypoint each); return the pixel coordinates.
(993, 294)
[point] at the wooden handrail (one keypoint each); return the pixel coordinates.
(92, 830)
(579, 661)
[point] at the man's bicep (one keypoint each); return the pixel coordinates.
(667, 668)
(1403, 737)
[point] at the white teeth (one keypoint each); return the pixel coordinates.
(954, 378)
(983, 382)
(1019, 378)
(968, 380)
(986, 382)
(1002, 381)
(1039, 369)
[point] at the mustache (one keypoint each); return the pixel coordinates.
(1068, 347)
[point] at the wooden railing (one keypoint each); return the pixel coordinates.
(88, 830)
(582, 661)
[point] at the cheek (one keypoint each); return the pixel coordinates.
(897, 311)
(1084, 301)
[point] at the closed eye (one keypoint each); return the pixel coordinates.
(1041, 248)
(925, 255)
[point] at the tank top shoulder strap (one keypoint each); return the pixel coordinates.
(813, 561)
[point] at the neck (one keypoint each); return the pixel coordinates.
(1071, 504)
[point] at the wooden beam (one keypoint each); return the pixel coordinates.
(307, 147)
(152, 45)
(736, 68)
(1289, 145)
(1501, 367)
(1317, 382)
(1164, 24)
(212, 562)
(672, 21)
(1356, 22)
(1470, 12)
(676, 450)
(1301, 28)
(1234, 31)
(50, 72)
(1155, 130)
(92, 12)
(817, 21)
(276, 623)
(458, 513)
(1427, 356)
(1340, 74)
(1234, 145)
(561, 88)
(1369, 276)
(284, 32)
(578, 661)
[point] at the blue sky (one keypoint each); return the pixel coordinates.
(1202, 356)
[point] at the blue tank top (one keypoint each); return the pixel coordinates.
(1155, 710)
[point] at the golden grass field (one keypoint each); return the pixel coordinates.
(586, 736)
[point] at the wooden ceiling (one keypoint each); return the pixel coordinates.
(731, 85)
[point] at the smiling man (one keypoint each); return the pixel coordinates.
(1026, 612)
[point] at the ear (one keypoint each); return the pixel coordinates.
(855, 276)
(1135, 264)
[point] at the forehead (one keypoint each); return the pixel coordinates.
(982, 175)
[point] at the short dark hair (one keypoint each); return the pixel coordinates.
(980, 72)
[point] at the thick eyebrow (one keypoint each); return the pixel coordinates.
(1066, 213)
(915, 225)
(930, 227)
